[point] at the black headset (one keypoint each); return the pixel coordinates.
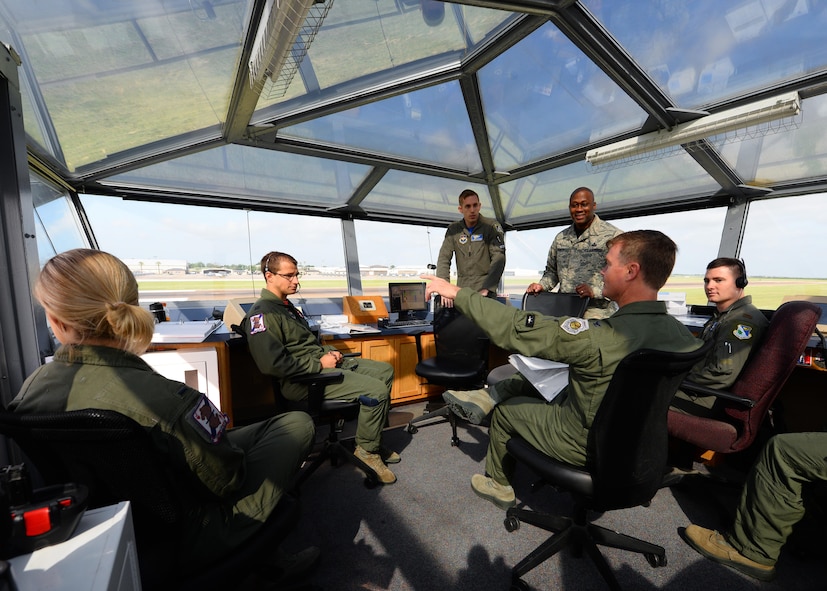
(741, 281)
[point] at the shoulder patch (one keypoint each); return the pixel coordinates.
(529, 320)
(210, 419)
(743, 332)
(575, 325)
(257, 324)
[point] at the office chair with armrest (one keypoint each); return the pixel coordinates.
(747, 404)
(117, 460)
(627, 452)
(460, 363)
(334, 414)
(547, 303)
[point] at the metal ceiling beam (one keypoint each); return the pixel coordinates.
(244, 97)
(319, 150)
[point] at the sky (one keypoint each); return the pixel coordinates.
(784, 237)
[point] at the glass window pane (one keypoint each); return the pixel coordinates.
(115, 79)
(238, 171)
(791, 154)
(423, 197)
(698, 236)
(705, 51)
(394, 252)
(784, 248)
(58, 227)
(429, 125)
(157, 240)
(658, 181)
(544, 97)
(388, 36)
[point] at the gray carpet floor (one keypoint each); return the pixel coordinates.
(429, 532)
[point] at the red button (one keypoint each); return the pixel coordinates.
(37, 521)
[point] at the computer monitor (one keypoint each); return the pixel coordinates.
(236, 309)
(818, 300)
(407, 298)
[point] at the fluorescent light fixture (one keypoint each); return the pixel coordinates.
(280, 25)
(754, 114)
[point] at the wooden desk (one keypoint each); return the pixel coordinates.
(399, 350)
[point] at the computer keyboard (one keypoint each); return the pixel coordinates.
(408, 323)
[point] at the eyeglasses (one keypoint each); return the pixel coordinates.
(289, 276)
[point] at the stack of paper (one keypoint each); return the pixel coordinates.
(184, 332)
(549, 377)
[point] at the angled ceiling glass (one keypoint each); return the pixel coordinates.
(119, 75)
(237, 172)
(431, 199)
(544, 97)
(546, 195)
(784, 157)
(394, 86)
(706, 51)
(428, 125)
(374, 40)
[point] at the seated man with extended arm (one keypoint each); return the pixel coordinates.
(283, 346)
(736, 327)
(771, 504)
(637, 265)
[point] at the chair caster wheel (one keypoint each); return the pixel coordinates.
(511, 523)
(656, 560)
(519, 585)
(454, 442)
(412, 429)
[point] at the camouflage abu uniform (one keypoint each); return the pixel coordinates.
(480, 255)
(574, 259)
(736, 331)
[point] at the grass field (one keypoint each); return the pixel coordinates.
(766, 292)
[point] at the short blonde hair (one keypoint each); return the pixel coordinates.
(95, 294)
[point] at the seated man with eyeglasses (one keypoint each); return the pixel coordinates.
(282, 345)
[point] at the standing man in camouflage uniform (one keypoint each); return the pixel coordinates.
(577, 255)
(736, 327)
(637, 265)
(480, 248)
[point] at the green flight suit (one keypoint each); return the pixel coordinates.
(480, 255)
(282, 345)
(592, 348)
(735, 331)
(245, 470)
(574, 259)
(771, 502)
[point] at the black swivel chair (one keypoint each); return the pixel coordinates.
(547, 303)
(627, 455)
(116, 459)
(334, 414)
(460, 363)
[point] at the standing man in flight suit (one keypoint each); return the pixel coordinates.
(637, 265)
(736, 327)
(479, 245)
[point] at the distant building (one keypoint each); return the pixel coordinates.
(156, 266)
